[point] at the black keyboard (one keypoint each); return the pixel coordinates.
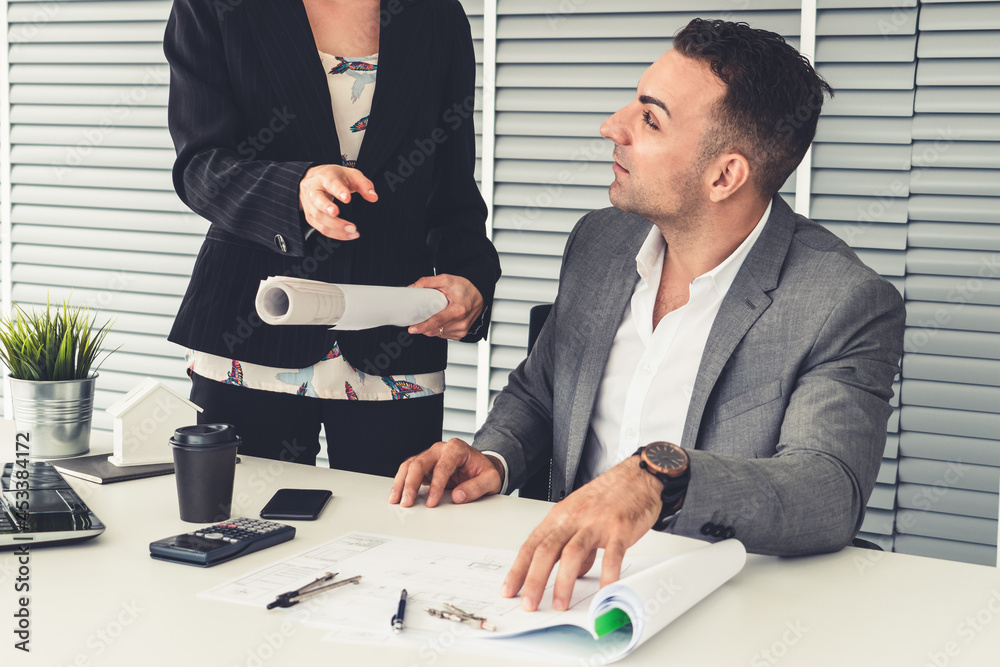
(47, 511)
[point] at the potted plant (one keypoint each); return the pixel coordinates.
(50, 355)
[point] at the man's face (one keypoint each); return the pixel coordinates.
(658, 167)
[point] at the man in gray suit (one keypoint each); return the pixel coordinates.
(747, 334)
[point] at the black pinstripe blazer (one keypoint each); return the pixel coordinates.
(250, 112)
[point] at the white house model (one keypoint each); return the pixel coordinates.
(145, 420)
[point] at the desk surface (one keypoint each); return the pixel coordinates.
(106, 602)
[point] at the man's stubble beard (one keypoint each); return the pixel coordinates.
(679, 214)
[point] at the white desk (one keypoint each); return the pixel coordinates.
(106, 602)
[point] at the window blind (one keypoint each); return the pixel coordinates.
(461, 374)
(949, 465)
(861, 166)
(94, 219)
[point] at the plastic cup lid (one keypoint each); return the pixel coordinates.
(205, 435)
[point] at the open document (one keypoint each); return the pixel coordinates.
(609, 622)
(286, 300)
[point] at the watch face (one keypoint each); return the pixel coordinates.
(665, 457)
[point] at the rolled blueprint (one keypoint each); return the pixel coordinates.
(286, 300)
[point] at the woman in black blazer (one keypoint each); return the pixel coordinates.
(250, 115)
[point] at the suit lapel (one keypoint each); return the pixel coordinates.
(616, 291)
(288, 52)
(746, 301)
(403, 64)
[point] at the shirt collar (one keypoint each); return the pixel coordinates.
(723, 275)
(649, 260)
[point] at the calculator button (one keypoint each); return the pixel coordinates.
(213, 536)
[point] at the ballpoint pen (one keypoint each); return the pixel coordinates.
(397, 620)
(314, 587)
(453, 613)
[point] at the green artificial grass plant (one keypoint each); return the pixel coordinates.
(51, 344)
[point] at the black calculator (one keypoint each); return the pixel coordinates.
(224, 541)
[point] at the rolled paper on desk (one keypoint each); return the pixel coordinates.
(285, 300)
(654, 597)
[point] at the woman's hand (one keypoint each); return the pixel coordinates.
(465, 305)
(320, 189)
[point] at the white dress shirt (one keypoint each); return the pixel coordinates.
(647, 383)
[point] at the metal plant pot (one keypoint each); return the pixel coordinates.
(55, 414)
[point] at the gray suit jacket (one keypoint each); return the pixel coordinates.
(786, 425)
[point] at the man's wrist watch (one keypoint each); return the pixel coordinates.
(669, 464)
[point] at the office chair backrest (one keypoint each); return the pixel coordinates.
(536, 318)
(538, 485)
(862, 543)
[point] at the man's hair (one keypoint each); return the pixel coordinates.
(772, 101)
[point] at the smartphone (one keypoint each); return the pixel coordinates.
(296, 504)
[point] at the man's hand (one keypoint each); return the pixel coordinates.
(611, 512)
(465, 305)
(447, 465)
(320, 189)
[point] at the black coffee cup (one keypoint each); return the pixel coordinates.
(205, 466)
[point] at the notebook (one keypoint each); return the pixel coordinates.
(98, 469)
